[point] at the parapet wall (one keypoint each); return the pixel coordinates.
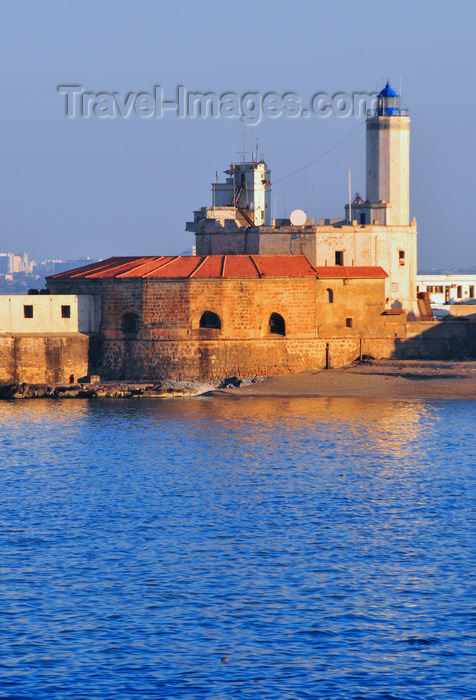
(43, 359)
(212, 359)
(62, 359)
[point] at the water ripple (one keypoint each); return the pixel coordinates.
(325, 547)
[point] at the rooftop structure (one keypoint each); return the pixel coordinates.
(244, 197)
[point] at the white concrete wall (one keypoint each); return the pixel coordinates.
(376, 245)
(47, 317)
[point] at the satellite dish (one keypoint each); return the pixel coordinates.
(298, 217)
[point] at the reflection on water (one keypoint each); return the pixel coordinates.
(325, 546)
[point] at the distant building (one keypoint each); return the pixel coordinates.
(53, 267)
(14, 264)
(448, 289)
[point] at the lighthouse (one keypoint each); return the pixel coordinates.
(388, 160)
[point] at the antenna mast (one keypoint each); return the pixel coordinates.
(213, 176)
(350, 197)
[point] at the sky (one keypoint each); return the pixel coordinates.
(99, 186)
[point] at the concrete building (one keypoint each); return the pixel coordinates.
(42, 313)
(244, 197)
(448, 289)
(376, 231)
(47, 338)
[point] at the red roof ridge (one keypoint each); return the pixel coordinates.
(140, 261)
(251, 257)
(369, 271)
(101, 264)
(204, 258)
(159, 267)
(125, 261)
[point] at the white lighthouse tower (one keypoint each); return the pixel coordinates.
(388, 160)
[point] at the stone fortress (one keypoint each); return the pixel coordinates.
(374, 232)
(259, 297)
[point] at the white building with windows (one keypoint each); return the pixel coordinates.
(44, 313)
(448, 289)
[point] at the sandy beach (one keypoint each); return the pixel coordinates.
(391, 379)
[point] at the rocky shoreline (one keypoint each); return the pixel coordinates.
(122, 389)
(408, 379)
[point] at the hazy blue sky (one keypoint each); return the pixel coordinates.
(101, 187)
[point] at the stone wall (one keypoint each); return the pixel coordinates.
(43, 359)
(168, 342)
(361, 246)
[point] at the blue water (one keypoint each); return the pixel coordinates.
(325, 547)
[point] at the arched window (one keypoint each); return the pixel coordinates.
(330, 296)
(210, 320)
(277, 324)
(130, 323)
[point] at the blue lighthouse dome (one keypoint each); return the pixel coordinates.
(387, 102)
(388, 91)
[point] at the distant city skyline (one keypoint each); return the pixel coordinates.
(50, 266)
(128, 186)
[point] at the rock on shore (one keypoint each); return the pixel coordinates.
(125, 390)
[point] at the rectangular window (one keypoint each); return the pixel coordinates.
(27, 311)
(459, 292)
(339, 257)
(362, 219)
(401, 257)
(471, 291)
(66, 312)
(348, 322)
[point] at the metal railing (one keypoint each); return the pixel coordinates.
(397, 113)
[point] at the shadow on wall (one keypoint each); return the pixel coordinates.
(454, 338)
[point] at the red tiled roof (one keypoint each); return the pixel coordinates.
(351, 271)
(214, 266)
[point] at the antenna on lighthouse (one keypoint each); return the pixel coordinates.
(350, 197)
(213, 176)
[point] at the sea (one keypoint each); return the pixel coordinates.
(223, 547)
